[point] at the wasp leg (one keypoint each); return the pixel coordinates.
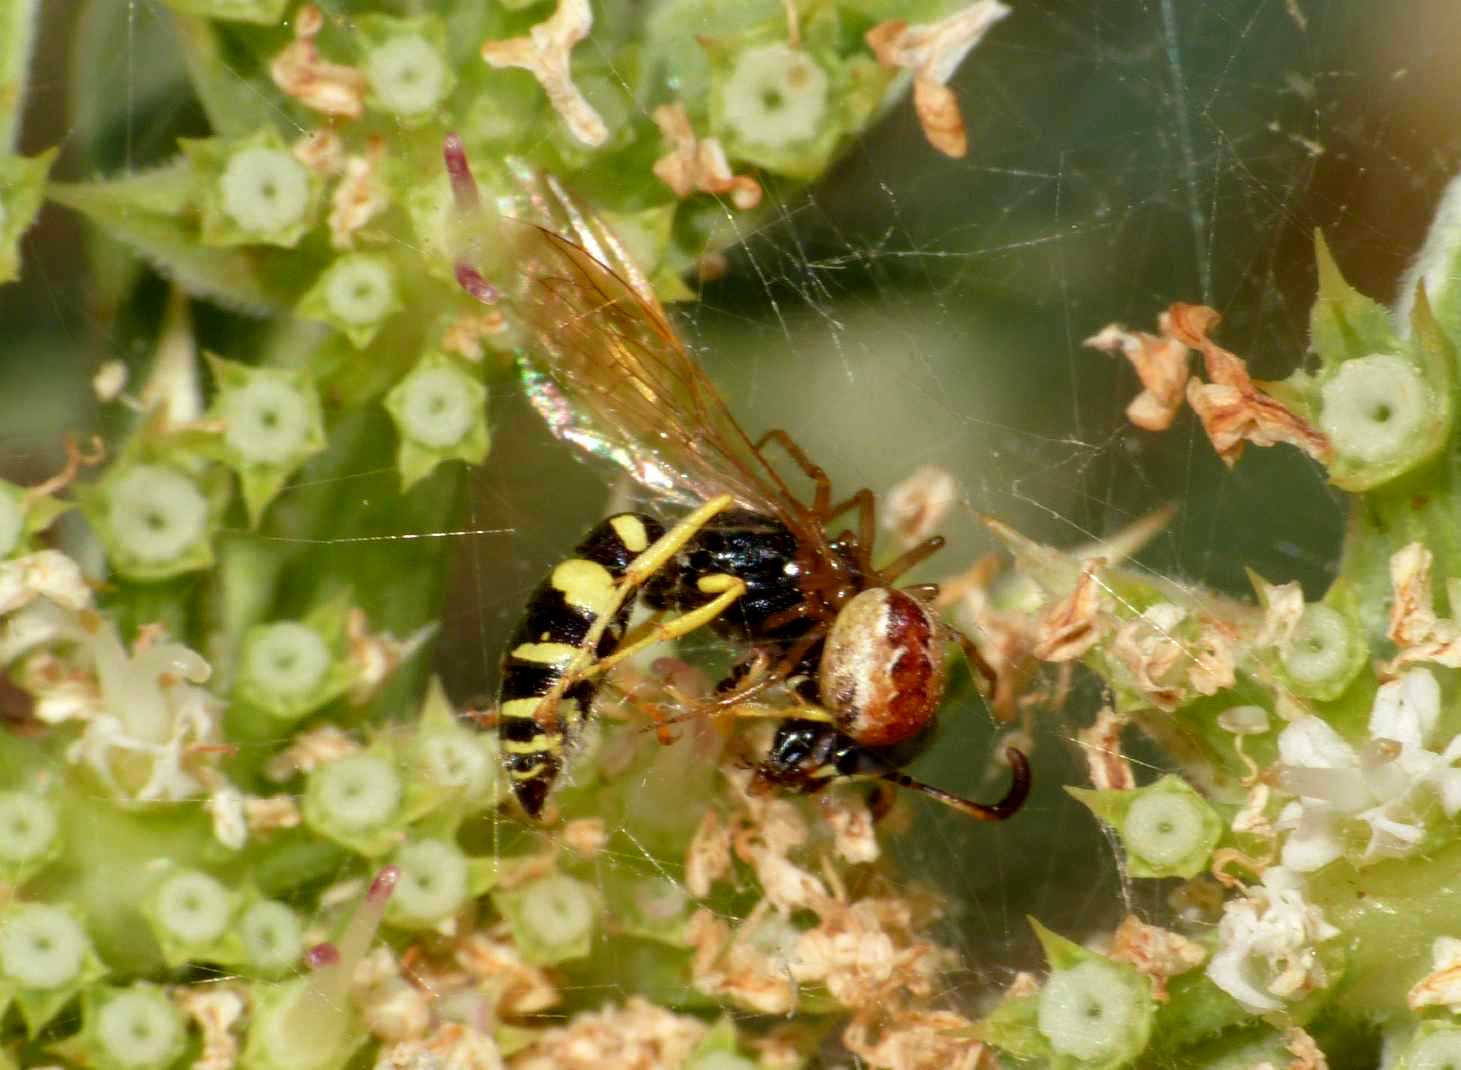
(1000, 811)
(732, 589)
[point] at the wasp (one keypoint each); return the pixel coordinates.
(751, 560)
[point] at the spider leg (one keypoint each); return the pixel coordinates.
(1006, 808)
(815, 472)
(908, 559)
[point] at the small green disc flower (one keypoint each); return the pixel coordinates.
(41, 947)
(268, 421)
(357, 793)
(1091, 1011)
(272, 936)
(192, 909)
(27, 828)
(356, 295)
(135, 1029)
(264, 190)
(441, 414)
(437, 407)
(407, 74)
(1375, 408)
(1320, 658)
(433, 884)
(776, 95)
(156, 521)
(12, 521)
(287, 660)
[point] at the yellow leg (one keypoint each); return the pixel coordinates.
(673, 628)
(642, 568)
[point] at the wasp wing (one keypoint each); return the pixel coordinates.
(612, 377)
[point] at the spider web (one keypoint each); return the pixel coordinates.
(915, 310)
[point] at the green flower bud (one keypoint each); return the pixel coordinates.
(356, 295)
(441, 414)
(406, 64)
(285, 669)
(1323, 654)
(355, 801)
(135, 1028)
(154, 520)
(253, 190)
(1168, 830)
(552, 919)
(1373, 408)
(190, 913)
(29, 836)
(272, 936)
(433, 886)
(1435, 1046)
(1093, 1012)
(42, 947)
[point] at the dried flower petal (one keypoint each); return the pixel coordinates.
(545, 53)
(1233, 410)
(699, 165)
(216, 1008)
(1160, 364)
(1109, 769)
(360, 196)
(917, 1040)
(914, 508)
(708, 858)
(637, 1036)
(1072, 626)
(933, 51)
(302, 73)
(1158, 953)
(1442, 986)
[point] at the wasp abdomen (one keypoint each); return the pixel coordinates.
(534, 733)
(882, 672)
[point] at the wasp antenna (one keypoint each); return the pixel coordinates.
(1000, 811)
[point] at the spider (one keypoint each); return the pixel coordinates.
(752, 560)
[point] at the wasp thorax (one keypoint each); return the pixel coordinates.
(882, 672)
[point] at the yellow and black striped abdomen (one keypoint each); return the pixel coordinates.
(533, 734)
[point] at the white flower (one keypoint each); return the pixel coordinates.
(1267, 944)
(1374, 783)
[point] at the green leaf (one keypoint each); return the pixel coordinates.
(236, 107)
(22, 182)
(18, 20)
(264, 12)
(148, 213)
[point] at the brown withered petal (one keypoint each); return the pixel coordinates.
(1158, 953)
(1072, 626)
(302, 73)
(544, 52)
(698, 165)
(1232, 409)
(1107, 767)
(932, 52)
(1161, 365)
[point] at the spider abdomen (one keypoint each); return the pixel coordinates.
(882, 671)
